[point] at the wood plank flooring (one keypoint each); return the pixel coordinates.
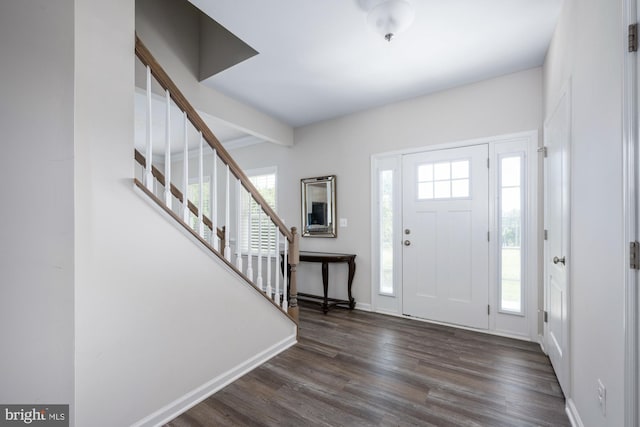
(353, 368)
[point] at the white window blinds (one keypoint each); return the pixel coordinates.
(262, 229)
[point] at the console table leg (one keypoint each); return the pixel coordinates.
(325, 285)
(352, 272)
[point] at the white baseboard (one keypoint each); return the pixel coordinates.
(388, 312)
(541, 342)
(572, 413)
(180, 405)
(363, 307)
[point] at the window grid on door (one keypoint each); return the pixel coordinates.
(444, 180)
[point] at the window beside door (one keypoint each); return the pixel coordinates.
(386, 231)
(510, 225)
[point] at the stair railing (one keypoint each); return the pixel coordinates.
(216, 229)
(160, 179)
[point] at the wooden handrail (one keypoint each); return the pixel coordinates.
(167, 84)
(178, 194)
(289, 294)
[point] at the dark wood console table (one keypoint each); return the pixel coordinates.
(325, 258)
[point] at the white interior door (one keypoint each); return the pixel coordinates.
(445, 223)
(557, 197)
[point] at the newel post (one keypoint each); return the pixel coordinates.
(294, 258)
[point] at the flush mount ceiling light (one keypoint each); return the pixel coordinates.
(390, 17)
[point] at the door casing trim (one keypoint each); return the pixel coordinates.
(630, 185)
(391, 304)
(564, 92)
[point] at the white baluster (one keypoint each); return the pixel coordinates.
(167, 155)
(249, 256)
(148, 175)
(201, 189)
(185, 172)
(238, 227)
(285, 288)
(213, 187)
(227, 248)
(269, 290)
(259, 280)
(277, 293)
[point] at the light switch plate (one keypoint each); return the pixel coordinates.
(343, 222)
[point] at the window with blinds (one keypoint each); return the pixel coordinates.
(263, 232)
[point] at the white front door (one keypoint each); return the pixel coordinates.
(557, 141)
(445, 263)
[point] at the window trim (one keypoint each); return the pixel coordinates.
(521, 154)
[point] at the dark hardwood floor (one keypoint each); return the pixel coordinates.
(353, 368)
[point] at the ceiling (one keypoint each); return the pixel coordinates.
(319, 59)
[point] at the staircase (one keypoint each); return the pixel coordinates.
(187, 172)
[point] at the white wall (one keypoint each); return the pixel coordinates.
(171, 32)
(156, 317)
(588, 48)
(36, 227)
(344, 146)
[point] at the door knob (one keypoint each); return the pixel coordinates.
(407, 242)
(557, 260)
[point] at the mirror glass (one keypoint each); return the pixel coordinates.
(319, 206)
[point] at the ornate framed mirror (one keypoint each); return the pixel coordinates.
(319, 206)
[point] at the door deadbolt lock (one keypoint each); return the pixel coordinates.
(407, 231)
(407, 242)
(557, 260)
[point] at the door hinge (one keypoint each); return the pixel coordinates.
(634, 256)
(545, 316)
(543, 150)
(488, 160)
(488, 236)
(488, 310)
(633, 37)
(546, 234)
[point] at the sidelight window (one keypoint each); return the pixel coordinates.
(386, 231)
(510, 218)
